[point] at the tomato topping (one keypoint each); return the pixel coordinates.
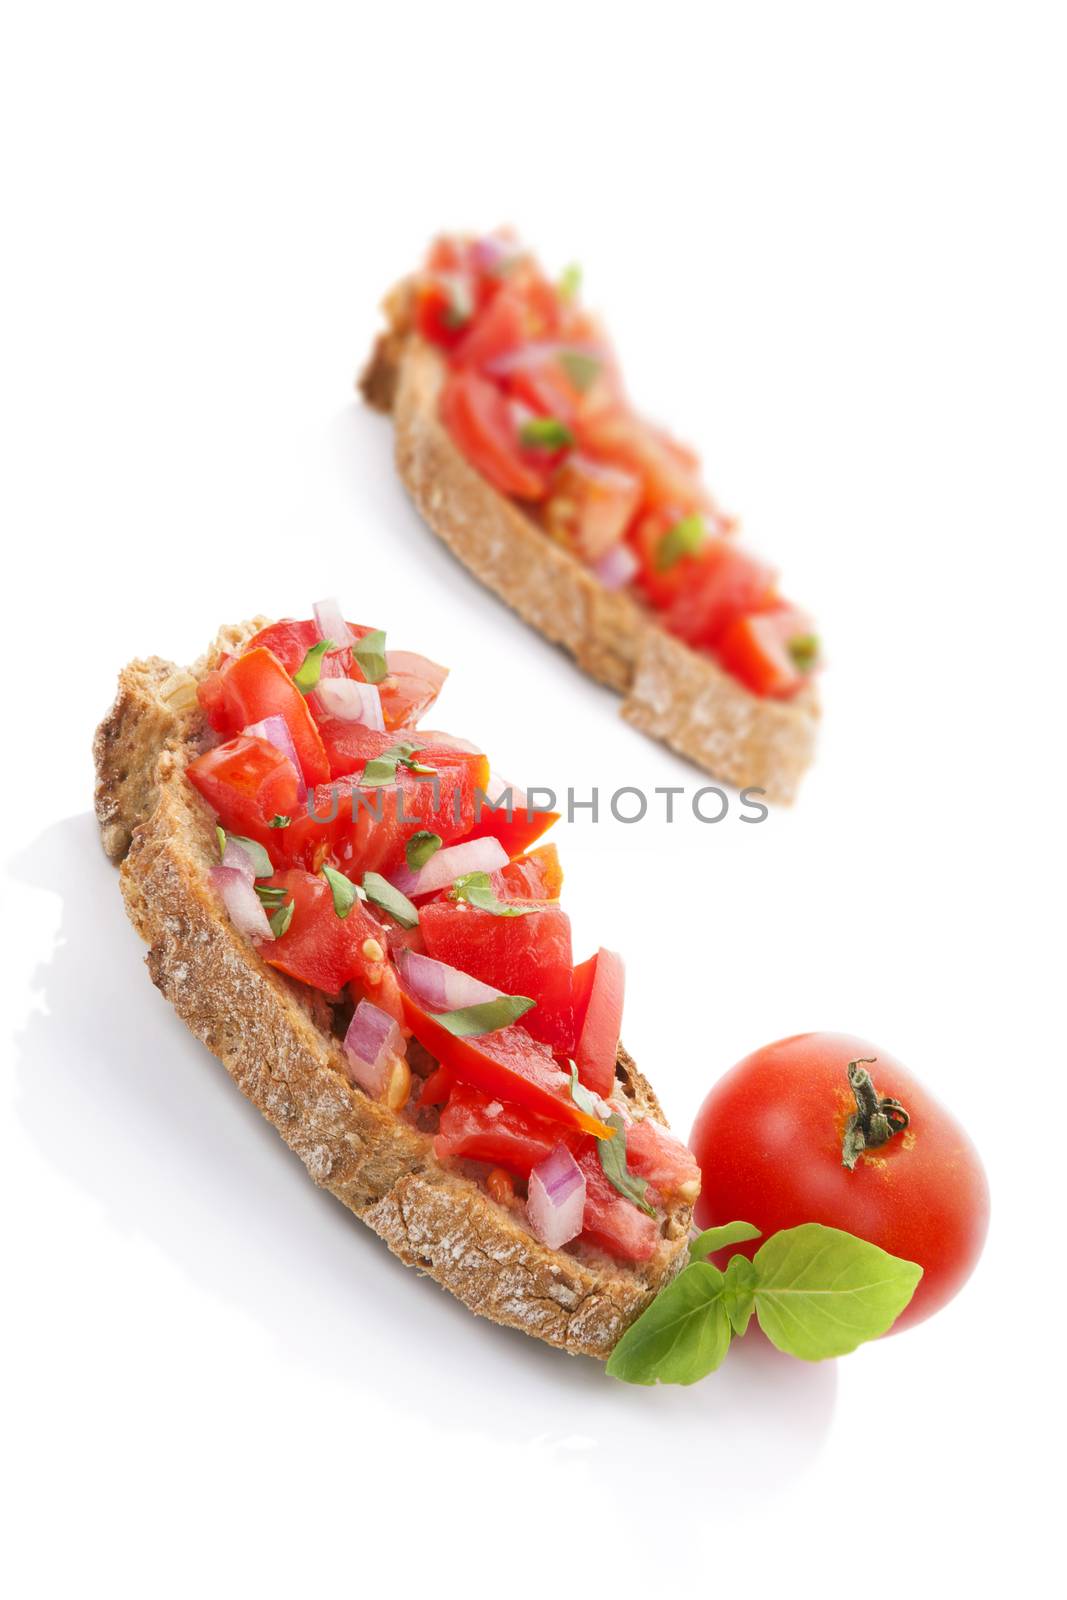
(409, 689)
(613, 1223)
(477, 1127)
(537, 876)
(480, 420)
(598, 989)
(653, 1153)
(503, 328)
(256, 685)
(319, 947)
(591, 506)
(772, 653)
(528, 955)
(729, 584)
(517, 832)
(507, 1065)
(246, 782)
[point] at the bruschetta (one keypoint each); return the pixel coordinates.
(361, 922)
(517, 444)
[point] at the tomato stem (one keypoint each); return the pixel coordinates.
(876, 1117)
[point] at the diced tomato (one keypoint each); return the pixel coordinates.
(247, 782)
(517, 832)
(537, 876)
(410, 688)
(443, 306)
(669, 474)
(729, 584)
(349, 745)
(502, 327)
(319, 947)
(613, 1223)
(256, 685)
(479, 419)
(652, 1152)
(662, 584)
(478, 1127)
(507, 1065)
(529, 955)
(772, 653)
(591, 505)
(598, 989)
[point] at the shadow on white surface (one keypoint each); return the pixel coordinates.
(129, 1107)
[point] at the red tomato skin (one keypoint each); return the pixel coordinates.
(247, 782)
(507, 1137)
(730, 583)
(516, 833)
(756, 650)
(537, 876)
(319, 947)
(527, 955)
(768, 1141)
(598, 987)
(256, 685)
(613, 1223)
(479, 420)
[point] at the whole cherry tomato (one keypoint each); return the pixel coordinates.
(824, 1127)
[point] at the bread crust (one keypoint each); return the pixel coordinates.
(673, 693)
(272, 1036)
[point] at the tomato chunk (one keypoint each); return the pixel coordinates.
(599, 984)
(537, 876)
(528, 955)
(517, 832)
(256, 685)
(729, 584)
(507, 1065)
(319, 947)
(772, 653)
(613, 1223)
(478, 1127)
(246, 782)
(591, 506)
(652, 1152)
(479, 419)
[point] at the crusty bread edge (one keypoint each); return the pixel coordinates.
(673, 693)
(264, 1030)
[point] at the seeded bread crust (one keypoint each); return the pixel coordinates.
(272, 1036)
(673, 693)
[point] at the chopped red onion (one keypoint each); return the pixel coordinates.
(489, 253)
(407, 663)
(555, 1204)
(242, 902)
(618, 567)
(372, 1043)
(331, 622)
(350, 701)
(536, 354)
(276, 732)
(445, 866)
(237, 857)
(439, 987)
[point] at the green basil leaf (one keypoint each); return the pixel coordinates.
(261, 863)
(545, 433)
(612, 1153)
(307, 674)
(384, 894)
(220, 835)
(279, 822)
(477, 889)
(281, 919)
(420, 847)
(471, 1021)
(739, 1292)
(804, 651)
(369, 655)
(383, 768)
(570, 281)
(585, 1099)
(712, 1239)
(683, 539)
(269, 895)
(681, 1337)
(821, 1292)
(343, 890)
(581, 368)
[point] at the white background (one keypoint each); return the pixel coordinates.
(830, 242)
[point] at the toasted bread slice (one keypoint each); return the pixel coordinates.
(276, 1040)
(672, 692)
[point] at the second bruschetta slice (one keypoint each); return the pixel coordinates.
(518, 445)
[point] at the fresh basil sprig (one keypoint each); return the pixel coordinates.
(468, 1022)
(388, 896)
(306, 677)
(817, 1292)
(369, 655)
(477, 889)
(420, 847)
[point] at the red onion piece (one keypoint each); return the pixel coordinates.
(276, 732)
(407, 663)
(238, 858)
(538, 353)
(489, 253)
(350, 701)
(445, 866)
(241, 901)
(555, 1205)
(371, 1044)
(618, 567)
(331, 622)
(439, 987)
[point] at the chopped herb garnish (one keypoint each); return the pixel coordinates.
(388, 896)
(570, 282)
(582, 369)
(383, 768)
(279, 822)
(261, 862)
(344, 891)
(683, 539)
(612, 1152)
(420, 847)
(281, 919)
(220, 835)
(804, 651)
(471, 1021)
(477, 889)
(270, 894)
(307, 674)
(369, 655)
(545, 433)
